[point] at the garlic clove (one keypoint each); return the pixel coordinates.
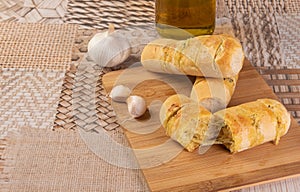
(136, 106)
(120, 93)
(109, 49)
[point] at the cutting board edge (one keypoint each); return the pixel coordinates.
(261, 183)
(216, 185)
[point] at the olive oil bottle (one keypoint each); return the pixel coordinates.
(182, 19)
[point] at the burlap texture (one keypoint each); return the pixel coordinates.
(36, 46)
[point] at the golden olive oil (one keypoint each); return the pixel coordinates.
(185, 18)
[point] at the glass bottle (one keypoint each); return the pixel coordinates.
(182, 19)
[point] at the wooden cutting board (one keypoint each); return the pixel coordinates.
(217, 169)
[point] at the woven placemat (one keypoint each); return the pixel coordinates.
(289, 32)
(242, 6)
(33, 11)
(33, 63)
(97, 13)
(264, 28)
(28, 98)
(64, 117)
(259, 36)
(11, 10)
(36, 46)
(286, 85)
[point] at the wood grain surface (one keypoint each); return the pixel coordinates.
(217, 169)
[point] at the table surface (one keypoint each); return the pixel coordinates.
(40, 148)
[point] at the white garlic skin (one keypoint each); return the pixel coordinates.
(109, 49)
(120, 93)
(136, 106)
(97, 38)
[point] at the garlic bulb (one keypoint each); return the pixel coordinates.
(136, 106)
(97, 38)
(109, 49)
(120, 93)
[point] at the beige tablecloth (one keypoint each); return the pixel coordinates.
(40, 148)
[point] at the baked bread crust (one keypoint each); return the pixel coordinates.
(238, 128)
(210, 56)
(214, 94)
(186, 122)
(251, 124)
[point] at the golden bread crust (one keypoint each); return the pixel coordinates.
(207, 88)
(186, 122)
(251, 124)
(242, 127)
(209, 56)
